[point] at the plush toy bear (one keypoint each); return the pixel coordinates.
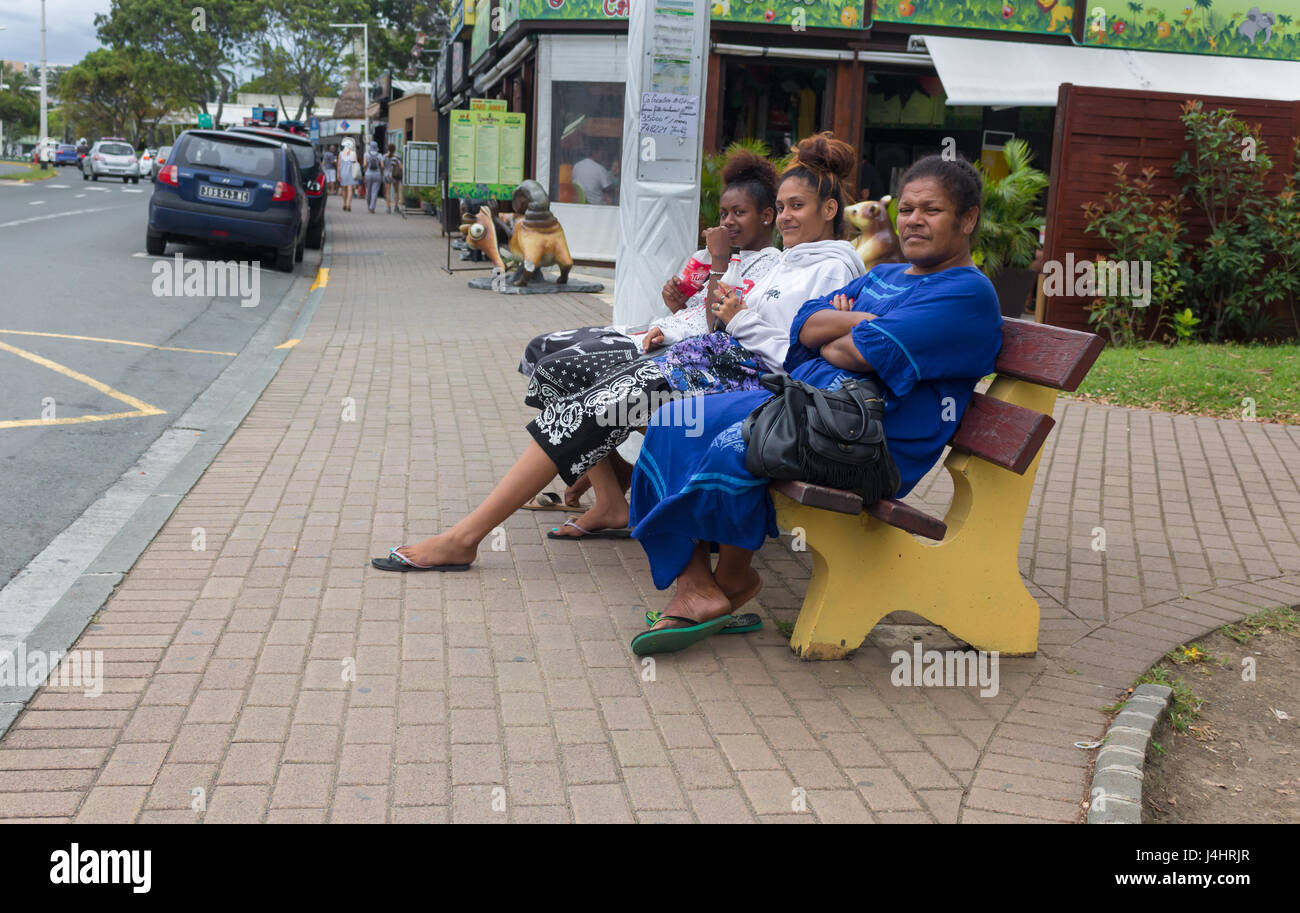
(877, 242)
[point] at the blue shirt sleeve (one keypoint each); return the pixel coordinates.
(948, 326)
(800, 353)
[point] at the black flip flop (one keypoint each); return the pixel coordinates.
(396, 561)
(590, 534)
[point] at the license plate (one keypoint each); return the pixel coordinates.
(223, 193)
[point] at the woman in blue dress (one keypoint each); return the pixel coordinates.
(928, 329)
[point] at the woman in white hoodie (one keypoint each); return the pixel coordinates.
(574, 434)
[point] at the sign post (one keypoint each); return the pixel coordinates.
(659, 196)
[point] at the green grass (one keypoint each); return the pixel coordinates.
(1217, 380)
(1286, 621)
(31, 173)
(1183, 704)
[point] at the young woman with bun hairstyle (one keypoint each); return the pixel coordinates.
(574, 434)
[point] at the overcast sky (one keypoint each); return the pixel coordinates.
(69, 29)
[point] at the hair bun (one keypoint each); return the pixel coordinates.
(824, 154)
(746, 165)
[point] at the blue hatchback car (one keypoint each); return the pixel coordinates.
(230, 188)
(66, 154)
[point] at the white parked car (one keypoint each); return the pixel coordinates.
(111, 157)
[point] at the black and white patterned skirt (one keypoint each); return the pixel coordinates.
(580, 429)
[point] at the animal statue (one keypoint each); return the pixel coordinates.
(877, 241)
(537, 238)
(1255, 23)
(479, 242)
(486, 235)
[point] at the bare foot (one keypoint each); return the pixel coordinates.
(699, 604)
(743, 590)
(602, 516)
(439, 549)
(572, 497)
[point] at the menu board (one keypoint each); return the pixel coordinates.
(487, 148)
(486, 158)
(460, 166)
(511, 169)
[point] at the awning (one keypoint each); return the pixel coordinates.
(1003, 73)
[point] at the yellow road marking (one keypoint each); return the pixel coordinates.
(120, 342)
(322, 279)
(142, 409)
(288, 343)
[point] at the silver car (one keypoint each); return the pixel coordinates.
(111, 158)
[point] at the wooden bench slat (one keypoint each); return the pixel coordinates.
(908, 518)
(836, 499)
(1051, 356)
(887, 510)
(1003, 433)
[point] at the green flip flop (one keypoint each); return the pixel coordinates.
(740, 624)
(670, 640)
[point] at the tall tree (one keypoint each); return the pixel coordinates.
(399, 22)
(207, 40)
(297, 51)
(120, 91)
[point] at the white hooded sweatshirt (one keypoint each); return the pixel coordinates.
(804, 272)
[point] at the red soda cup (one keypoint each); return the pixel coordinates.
(694, 276)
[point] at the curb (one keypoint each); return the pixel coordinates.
(69, 617)
(1116, 795)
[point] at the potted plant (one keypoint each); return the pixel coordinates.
(1010, 222)
(428, 196)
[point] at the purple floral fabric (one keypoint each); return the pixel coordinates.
(715, 363)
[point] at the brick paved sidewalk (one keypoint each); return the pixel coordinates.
(226, 667)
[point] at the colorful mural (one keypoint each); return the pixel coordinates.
(838, 14)
(1044, 16)
(1233, 28)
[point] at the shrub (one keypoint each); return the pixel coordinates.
(1224, 168)
(1140, 228)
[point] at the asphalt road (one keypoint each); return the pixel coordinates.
(72, 263)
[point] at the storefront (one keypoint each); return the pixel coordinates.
(897, 86)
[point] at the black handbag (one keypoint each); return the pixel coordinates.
(826, 437)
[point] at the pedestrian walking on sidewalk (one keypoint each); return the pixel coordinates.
(347, 169)
(330, 161)
(393, 180)
(374, 175)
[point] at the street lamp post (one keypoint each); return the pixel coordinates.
(2, 123)
(365, 93)
(44, 97)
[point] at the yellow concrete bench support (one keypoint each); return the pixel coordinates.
(969, 583)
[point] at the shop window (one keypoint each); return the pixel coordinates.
(586, 141)
(777, 103)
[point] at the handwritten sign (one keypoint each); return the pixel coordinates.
(667, 114)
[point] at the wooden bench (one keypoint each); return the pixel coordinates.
(866, 561)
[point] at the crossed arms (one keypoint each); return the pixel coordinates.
(830, 331)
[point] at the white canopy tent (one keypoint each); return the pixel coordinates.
(1001, 74)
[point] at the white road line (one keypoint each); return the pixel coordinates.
(60, 186)
(79, 196)
(56, 215)
(36, 203)
(131, 190)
